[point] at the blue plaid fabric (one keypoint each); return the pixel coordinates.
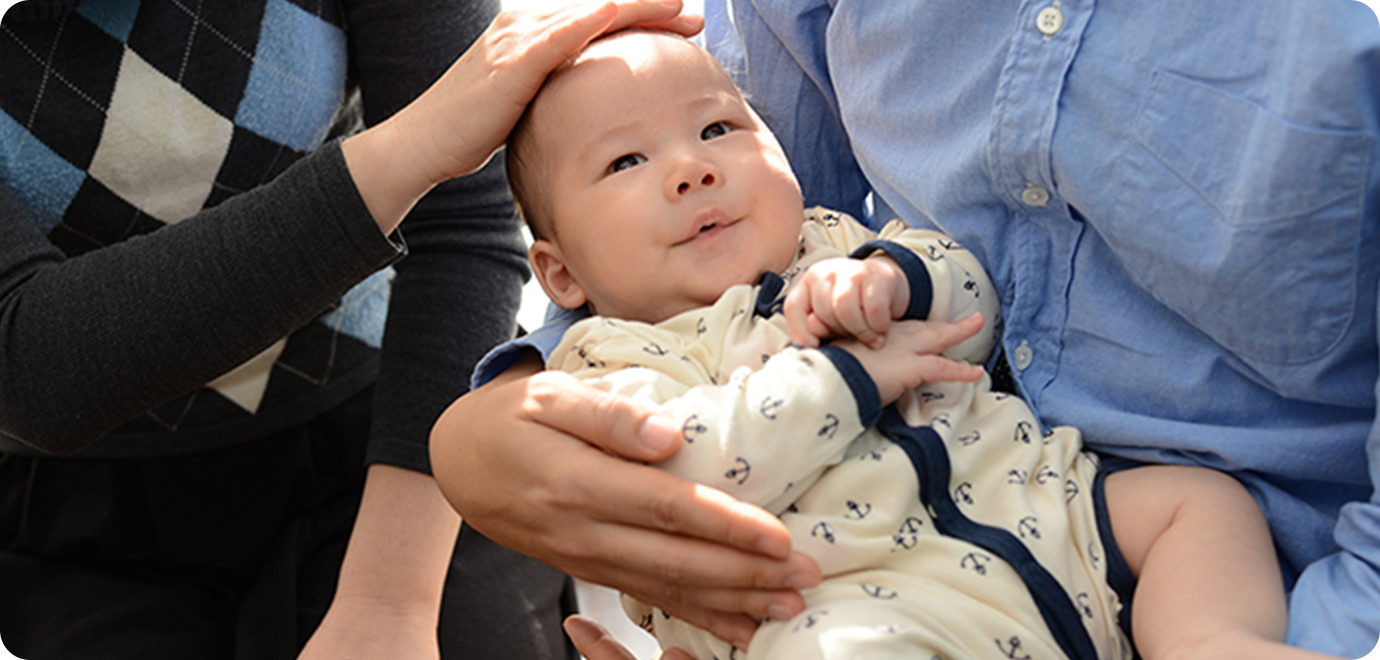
(123, 116)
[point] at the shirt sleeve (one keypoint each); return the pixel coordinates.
(1335, 605)
(776, 55)
(456, 294)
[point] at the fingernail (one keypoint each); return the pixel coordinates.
(779, 612)
(580, 630)
(657, 435)
(773, 548)
(799, 581)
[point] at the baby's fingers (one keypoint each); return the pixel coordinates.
(935, 337)
(876, 309)
(841, 306)
(937, 368)
(796, 309)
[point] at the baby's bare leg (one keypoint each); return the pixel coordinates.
(1208, 584)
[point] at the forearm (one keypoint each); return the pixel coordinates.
(455, 296)
(117, 330)
(401, 545)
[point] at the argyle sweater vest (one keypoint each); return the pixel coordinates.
(120, 117)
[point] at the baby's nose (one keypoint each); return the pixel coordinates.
(706, 180)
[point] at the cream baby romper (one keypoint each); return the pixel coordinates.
(946, 526)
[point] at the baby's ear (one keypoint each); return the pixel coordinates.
(548, 265)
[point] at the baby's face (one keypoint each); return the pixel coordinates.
(662, 186)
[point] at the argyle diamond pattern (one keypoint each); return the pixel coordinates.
(124, 116)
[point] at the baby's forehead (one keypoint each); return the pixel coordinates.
(636, 44)
(642, 52)
(627, 62)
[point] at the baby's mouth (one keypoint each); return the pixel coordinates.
(710, 223)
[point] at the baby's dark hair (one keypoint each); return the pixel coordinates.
(517, 154)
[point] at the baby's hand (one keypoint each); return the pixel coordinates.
(842, 297)
(910, 355)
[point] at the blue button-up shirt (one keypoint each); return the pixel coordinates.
(1179, 202)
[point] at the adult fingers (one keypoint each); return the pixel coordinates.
(562, 33)
(532, 448)
(633, 527)
(653, 501)
(611, 422)
(494, 80)
(657, 14)
(593, 640)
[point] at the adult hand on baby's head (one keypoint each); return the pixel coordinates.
(454, 127)
(500, 74)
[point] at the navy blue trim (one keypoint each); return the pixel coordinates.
(927, 453)
(864, 388)
(921, 288)
(1119, 575)
(769, 298)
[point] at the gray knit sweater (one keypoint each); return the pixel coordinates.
(113, 314)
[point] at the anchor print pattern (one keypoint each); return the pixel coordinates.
(781, 411)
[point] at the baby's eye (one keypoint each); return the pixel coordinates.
(626, 161)
(716, 129)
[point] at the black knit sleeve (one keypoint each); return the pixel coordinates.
(456, 294)
(89, 342)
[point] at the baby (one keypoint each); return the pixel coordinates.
(825, 372)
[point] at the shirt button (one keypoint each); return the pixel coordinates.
(1023, 355)
(1049, 20)
(1035, 196)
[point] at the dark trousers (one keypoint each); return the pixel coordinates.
(232, 553)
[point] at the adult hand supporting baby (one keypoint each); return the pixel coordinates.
(545, 465)
(454, 127)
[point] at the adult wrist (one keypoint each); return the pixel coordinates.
(389, 185)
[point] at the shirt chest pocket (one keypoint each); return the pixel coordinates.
(1245, 224)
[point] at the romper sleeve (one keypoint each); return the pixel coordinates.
(947, 282)
(761, 435)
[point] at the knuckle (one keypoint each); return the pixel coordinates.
(566, 547)
(664, 512)
(673, 573)
(620, 421)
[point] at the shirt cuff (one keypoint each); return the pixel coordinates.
(543, 340)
